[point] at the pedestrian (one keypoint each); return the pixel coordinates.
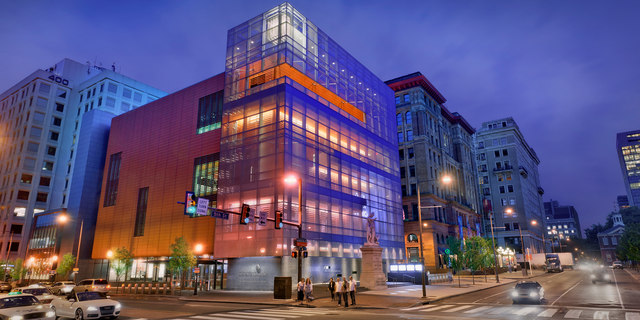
(339, 290)
(301, 290)
(345, 291)
(332, 289)
(352, 290)
(308, 290)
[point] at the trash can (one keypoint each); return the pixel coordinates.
(282, 288)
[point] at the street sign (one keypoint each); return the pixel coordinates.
(263, 218)
(447, 251)
(219, 214)
(203, 207)
(76, 269)
(196, 270)
(300, 242)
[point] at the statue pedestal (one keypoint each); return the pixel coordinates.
(372, 276)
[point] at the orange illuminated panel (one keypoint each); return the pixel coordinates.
(286, 70)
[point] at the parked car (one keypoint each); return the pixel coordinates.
(86, 305)
(617, 265)
(43, 294)
(5, 286)
(527, 291)
(62, 287)
(16, 305)
(98, 285)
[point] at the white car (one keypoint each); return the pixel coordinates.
(18, 306)
(62, 287)
(43, 294)
(86, 305)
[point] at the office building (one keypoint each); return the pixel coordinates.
(295, 103)
(434, 143)
(628, 146)
(54, 125)
(622, 202)
(510, 186)
(561, 220)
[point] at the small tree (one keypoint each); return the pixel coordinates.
(474, 252)
(65, 265)
(488, 259)
(19, 271)
(456, 259)
(121, 262)
(182, 259)
(629, 246)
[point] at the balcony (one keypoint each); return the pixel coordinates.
(503, 168)
(523, 172)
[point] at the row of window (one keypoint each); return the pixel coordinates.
(24, 195)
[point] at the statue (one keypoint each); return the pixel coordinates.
(372, 239)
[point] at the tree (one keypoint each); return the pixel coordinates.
(456, 258)
(19, 271)
(182, 259)
(121, 262)
(66, 264)
(474, 251)
(488, 259)
(629, 245)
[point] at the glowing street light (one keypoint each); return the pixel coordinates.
(198, 248)
(292, 180)
(62, 219)
(447, 180)
(109, 254)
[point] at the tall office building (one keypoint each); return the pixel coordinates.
(622, 202)
(434, 143)
(510, 185)
(628, 146)
(54, 123)
(295, 103)
(561, 220)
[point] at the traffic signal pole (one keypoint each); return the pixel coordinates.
(299, 227)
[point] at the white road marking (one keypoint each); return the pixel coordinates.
(252, 315)
(562, 295)
(548, 313)
(278, 313)
(309, 311)
(632, 316)
(526, 310)
(573, 314)
(426, 306)
(458, 308)
(439, 307)
(619, 296)
(478, 309)
(601, 315)
(500, 310)
(208, 318)
(228, 315)
(493, 295)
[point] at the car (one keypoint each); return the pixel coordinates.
(5, 286)
(86, 305)
(17, 305)
(62, 287)
(527, 291)
(600, 274)
(98, 285)
(43, 294)
(617, 265)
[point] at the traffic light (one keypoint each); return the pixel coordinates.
(305, 254)
(278, 224)
(190, 204)
(244, 214)
(294, 254)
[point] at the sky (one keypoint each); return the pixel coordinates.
(567, 71)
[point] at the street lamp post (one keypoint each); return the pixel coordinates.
(493, 242)
(290, 180)
(197, 249)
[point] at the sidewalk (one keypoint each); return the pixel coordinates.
(398, 296)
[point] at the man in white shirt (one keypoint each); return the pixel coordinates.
(339, 290)
(352, 290)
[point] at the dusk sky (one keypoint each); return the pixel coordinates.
(568, 72)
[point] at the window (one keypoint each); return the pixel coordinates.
(141, 211)
(507, 227)
(45, 181)
(112, 88)
(111, 187)
(507, 165)
(500, 177)
(505, 152)
(47, 166)
(126, 93)
(412, 171)
(61, 93)
(498, 165)
(205, 177)
(38, 118)
(480, 144)
(503, 141)
(41, 197)
(482, 156)
(401, 154)
(29, 163)
(496, 153)
(23, 195)
(59, 107)
(210, 112)
(404, 190)
(605, 241)
(398, 118)
(398, 100)
(407, 117)
(400, 137)
(484, 180)
(409, 135)
(501, 189)
(44, 89)
(137, 97)
(41, 102)
(516, 226)
(414, 190)
(36, 132)
(32, 147)
(99, 101)
(53, 135)
(26, 178)
(111, 102)
(512, 201)
(16, 228)
(412, 238)
(508, 175)
(406, 98)
(486, 191)
(403, 172)
(56, 121)
(101, 87)
(410, 150)
(124, 106)
(503, 201)
(51, 150)
(510, 188)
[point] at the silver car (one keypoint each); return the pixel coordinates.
(97, 285)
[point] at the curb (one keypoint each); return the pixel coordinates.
(239, 302)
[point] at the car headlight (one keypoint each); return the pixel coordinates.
(16, 318)
(51, 314)
(533, 294)
(118, 306)
(514, 293)
(92, 309)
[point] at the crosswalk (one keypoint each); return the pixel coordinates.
(541, 312)
(262, 314)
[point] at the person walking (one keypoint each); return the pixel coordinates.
(352, 290)
(339, 290)
(345, 291)
(301, 290)
(308, 290)
(332, 289)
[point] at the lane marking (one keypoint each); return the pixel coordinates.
(619, 296)
(478, 309)
(632, 316)
(458, 308)
(232, 315)
(548, 313)
(426, 306)
(208, 318)
(267, 313)
(500, 310)
(438, 308)
(562, 295)
(493, 295)
(526, 310)
(297, 310)
(601, 315)
(573, 314)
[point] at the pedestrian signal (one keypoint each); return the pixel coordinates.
(244, 214)
(278, 219)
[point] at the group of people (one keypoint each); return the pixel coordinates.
(305, 290)
(343, 289)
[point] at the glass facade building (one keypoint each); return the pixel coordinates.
(295, 102)
(628, 145)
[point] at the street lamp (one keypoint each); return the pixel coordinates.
(197, 249)
(445, 180)
(293, 180)
(509, 211)
(493, 242)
